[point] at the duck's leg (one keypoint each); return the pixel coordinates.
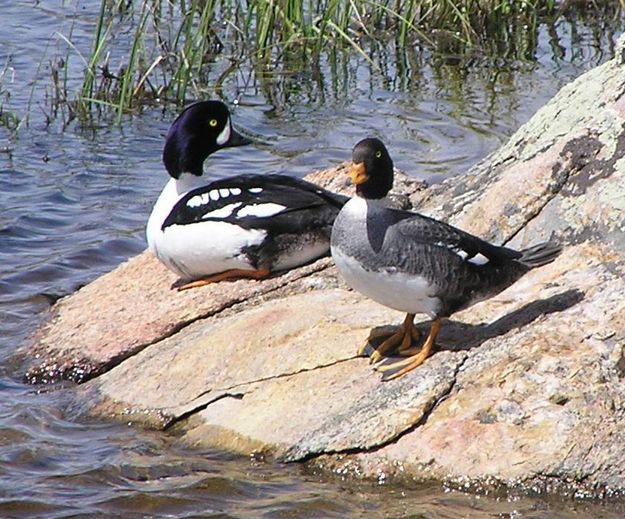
(397, 369)
(402, 337)
(411, 350)
(222, 276)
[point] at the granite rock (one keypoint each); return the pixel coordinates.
(525, 389)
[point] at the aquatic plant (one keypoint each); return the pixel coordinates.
(166, 50)
(8, 119)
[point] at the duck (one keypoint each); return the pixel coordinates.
(248, 225)
(413, 263)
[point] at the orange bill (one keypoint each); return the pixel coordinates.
(358, 173)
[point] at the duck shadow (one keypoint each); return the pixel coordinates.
(459, 336)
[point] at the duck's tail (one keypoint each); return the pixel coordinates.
(540, 254)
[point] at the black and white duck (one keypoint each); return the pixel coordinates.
(244, 226)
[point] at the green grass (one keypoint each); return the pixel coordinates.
(155, 51)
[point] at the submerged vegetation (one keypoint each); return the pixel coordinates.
(171, 51)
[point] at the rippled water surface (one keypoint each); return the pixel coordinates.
(73, 204)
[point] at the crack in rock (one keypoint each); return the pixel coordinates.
(198, 404)
(295, 453)
(290, 374)
(382, 415)
(177, 418)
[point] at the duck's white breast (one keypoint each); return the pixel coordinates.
(401, 291)
(397, 290)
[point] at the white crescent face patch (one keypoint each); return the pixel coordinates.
(224, 135)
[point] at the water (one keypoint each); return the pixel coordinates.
(73, 204)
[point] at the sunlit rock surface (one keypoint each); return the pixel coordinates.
(525, 389)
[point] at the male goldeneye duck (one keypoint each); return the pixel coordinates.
(413, 263)
(246, 226)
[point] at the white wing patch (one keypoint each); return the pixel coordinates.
(261, 210)
(224, 135)
(462, 253)
(198, 200)
(479, 259)
(222, 212)
(255, 189)
(213, 195)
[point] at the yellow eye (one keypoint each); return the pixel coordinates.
(378, 154)
(212, 123)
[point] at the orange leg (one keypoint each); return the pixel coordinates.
(372, 336)
(406, 349)
(397, 369)
(222, 276)
(402, 337)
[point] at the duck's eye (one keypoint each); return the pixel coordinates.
(212, 123)
(378, 154)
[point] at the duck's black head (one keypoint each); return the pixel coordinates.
(201, 128)
(372, 169)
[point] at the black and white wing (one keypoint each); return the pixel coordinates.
(276, 203)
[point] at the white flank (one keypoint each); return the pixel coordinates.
(222, 212)
(197, 249)
(224, 135)
(261, 210)
(203, 248)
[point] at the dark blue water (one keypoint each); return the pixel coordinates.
(73, 204)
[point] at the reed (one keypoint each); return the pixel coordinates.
(172, 44)
(8, 118)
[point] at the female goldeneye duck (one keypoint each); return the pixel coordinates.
(246, 226)
(413, 263)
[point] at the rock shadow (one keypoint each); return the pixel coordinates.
(460, 336)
